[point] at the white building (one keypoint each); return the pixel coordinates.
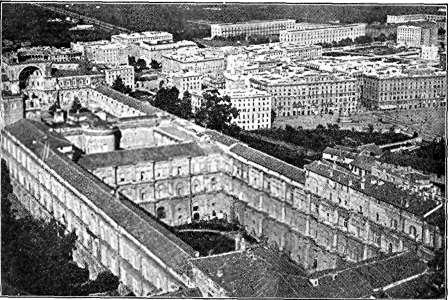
(391, 19)
(147, 36)
(256, 27)
(429, 53)
(201, 61)
(312, 36)
(417, 36)
(103, 52)
(124, 71)
(254, 107)
(185, 81)
(150, 51)
(306, 93)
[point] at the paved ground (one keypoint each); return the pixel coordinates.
(428, 122)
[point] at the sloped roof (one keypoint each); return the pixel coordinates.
(127, 100)
(133, 156)
(386, 191)
(147, 230)
(269, 162)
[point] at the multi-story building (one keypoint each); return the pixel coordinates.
(200, 61)
(11, 109)
(415, 18)
(429, 53)
(185, 81)
(396, 89)
(48, 54)
(256, 27)
(323, 216)
(310, 92)
(417, 35)
(147, 36)
(254, 107)
(328, 34)
(103, 52)
(125, 72)
(150, 51)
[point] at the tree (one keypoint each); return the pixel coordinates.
(155, 64)
(441, 31)
(365, 39)
(381, 38)
(216, 112)
(185, 106)
(54, 107)
(273, 116)
(167, 99)
(76, 106)
(140, 64)
(131, 61)
(119, 85)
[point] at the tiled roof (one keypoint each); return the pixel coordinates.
(339, 152)
(364, 162)
(361, 279)
(176, 132)
(148, 231)
(269, 162)
(221, 138)
(133, 156)
(386, 191)
(258, 272)
(127, 100)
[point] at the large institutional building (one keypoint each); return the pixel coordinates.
(147, 36)
(257, 27)
(201, 61)
(394, 19)
(323, 34)
(405, 89)
(254, 107)
(307, 93)
(417, 35)
(169, 170)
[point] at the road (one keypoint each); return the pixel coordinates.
(88, 20)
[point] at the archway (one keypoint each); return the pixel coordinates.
(24, 75)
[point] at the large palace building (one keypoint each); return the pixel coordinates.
(120, 179)
(256, 27)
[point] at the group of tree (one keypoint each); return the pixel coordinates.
(320, 138)
(139, 64)
(119, 86)
(167, 99)
(215, 112)
(429, 158)
(365, 39)
(36, 254)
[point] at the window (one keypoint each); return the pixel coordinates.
(346, 223)
(161, 214)
(377, 217)
(412, 231)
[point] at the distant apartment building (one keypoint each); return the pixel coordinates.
(125, 72)
(147, 36)
(392, 19)
(185, 81)
(328, 34)
(254, 107)
(395, 89)
(150, 51)
(48, 54)
(103, 52)
(417, 35)
(309, 92)
(429, 53)
(256, 27)
(198, 61)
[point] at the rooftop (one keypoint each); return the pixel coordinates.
(148, 231)
(134, 156)
(144, 107)
(375, 188)
(269, 162)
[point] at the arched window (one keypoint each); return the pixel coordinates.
(391, 248)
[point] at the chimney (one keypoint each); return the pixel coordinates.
(363, 183)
